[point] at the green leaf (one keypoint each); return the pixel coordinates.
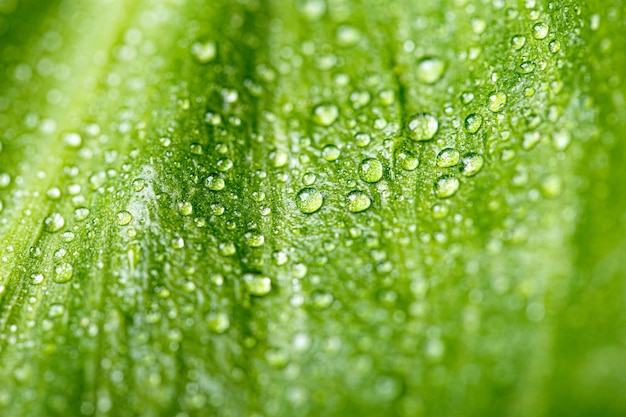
(312, 207)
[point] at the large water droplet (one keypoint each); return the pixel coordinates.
(430, 70)
(472, 164)
(357, 201)
(309, 200)
(448, 157)
(497, 101)
(53, 223)
(325, 114)
(423, 126)
(256, 284)
(446, 186)
(371, 170)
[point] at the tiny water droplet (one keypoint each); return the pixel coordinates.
(357, 201)
(430, 70)
(371, 170)
(309, 200)
(325, 114)
(446, 186)
(423, 126)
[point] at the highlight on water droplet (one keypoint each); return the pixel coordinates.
(325, 114)
(497, 101)
(422, 127)
(357, 201)
(473, 123)
(472, 164)
(309, 200)
(371, 170)
(446, 186)
(257, 284)
(430, 70)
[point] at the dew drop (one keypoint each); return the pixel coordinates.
(472, 164)
(73, 140)
(331, 153)
(406, 160)
(540, 30)
(309, 178)
(357, 201)
(430, 70)
(448, 157)
(63, 273)
(256, 284)
(348, 36)
(218, 322)
(185, 208)
(56, 310)
(254, 239)
(138, 184)
(325, 114)
(309, 200)
(215, 182)
(446, 186)
(362, 139)
(518, 42)
(81, 213)
(53, 223)
(196, 149)
(371, 170)
(204, 52)
(526, 67)
(473, 122)
(423, 126)
(496, 102)
(124, 218)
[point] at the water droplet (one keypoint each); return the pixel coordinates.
(218, 322)
(406, 160)
(139, 184)
(526, 67)
(224, 164)
(215, 182)
(446, 186)
(56, 310)
(496, 102)
(309, 178)
(371, 170)
(53, 223)
(362, 139)
(357, 201)
(227, 249)
(430, 70)
(423, 126)
(5, 180)
(540, 30)
(348, 36)
(67, 236)
(279, 158)
(177, 243)
(331, 153)
(81, 213)
(256, 284)
(473, 122)
(325, 114)
(124, 218)
(448, 157)
(309, 200)
(254, 239)
(322, 301)
(440, 211)
(554, 46)
(73, 140)
(196, 149)
(53, 193)
(204, 52)
(63, 273)
(472, 164)
(561, 139)
(185, 208)
(530, 140)
(518, 42)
